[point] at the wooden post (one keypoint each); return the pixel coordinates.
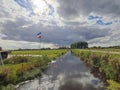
(1, 59)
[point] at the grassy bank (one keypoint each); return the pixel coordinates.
(21, 68)
(104, 65)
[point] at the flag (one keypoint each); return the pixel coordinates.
(39, 35)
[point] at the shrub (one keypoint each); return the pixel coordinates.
(8, 87)
(96, 59)
(3, 75)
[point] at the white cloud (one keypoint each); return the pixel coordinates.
(11, 44)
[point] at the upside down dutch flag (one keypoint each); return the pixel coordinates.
(39, 35)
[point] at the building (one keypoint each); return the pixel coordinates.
(3, 54)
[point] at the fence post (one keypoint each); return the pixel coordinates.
(1, 59)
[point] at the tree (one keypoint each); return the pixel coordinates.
(79, 45)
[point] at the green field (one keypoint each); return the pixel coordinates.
(52, 54)
(23, 66)
(106, 63)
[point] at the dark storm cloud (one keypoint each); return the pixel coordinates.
(57, 35)
(73, 8)
(14, 31)
(91, 33)
(74, 23)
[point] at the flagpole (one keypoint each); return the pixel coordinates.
(40, 43)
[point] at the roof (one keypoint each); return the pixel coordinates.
(4, 51)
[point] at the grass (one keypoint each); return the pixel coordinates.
(22, 68)
(113, 85)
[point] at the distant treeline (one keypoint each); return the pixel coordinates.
(117, 47)
(99, 47)
(80, 45)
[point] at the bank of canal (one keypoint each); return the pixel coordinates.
(65, 73)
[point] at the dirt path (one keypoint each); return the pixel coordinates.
(111, 52)
(9, 56)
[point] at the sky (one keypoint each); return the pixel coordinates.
(61, 22)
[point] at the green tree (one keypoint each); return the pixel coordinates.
(79, 45)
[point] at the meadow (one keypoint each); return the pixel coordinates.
(105, 65)
(23, 65)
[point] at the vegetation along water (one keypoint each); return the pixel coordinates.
(105, 65)
(25, 65)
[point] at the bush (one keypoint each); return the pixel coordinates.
(8, 87)
(96, 59)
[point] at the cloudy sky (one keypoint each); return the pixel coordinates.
(60, 22)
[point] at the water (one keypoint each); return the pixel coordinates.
(65, 73)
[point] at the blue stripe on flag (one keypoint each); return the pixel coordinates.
(39, 33)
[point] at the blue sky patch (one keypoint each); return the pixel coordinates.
(98, 20)
(101, 22)
(25, 4)
(51, 10)
(91, 17)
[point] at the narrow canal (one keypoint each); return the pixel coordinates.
(66, 73)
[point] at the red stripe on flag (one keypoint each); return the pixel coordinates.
(39, 36)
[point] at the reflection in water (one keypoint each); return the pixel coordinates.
(73, 85)
(66, 73)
